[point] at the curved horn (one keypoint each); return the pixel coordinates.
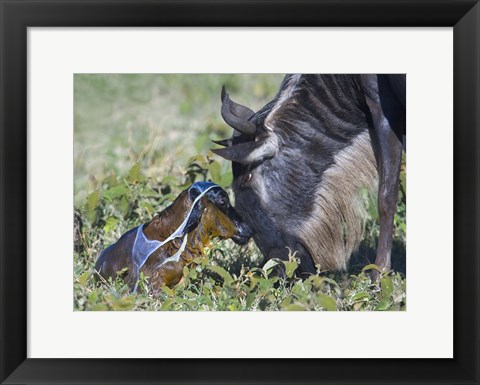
(237, 109)
(241, 111)
(239, 123)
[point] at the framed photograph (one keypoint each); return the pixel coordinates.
(194, 261)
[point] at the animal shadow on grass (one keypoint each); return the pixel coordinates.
(365, 255)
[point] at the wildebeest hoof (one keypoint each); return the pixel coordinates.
(279, 271)
(374, 275)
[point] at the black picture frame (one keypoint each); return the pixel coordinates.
(17, 15)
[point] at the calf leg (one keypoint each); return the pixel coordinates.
(389, 156)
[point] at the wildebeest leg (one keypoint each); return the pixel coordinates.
(307, 267)
(387, 118)
(390, 157)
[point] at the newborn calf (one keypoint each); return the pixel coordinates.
(173, 238)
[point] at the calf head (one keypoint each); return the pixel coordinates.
(213, 216)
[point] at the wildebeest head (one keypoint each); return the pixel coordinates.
(296, 180)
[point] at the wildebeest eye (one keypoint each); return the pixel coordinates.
(247, 178)
(223, 201)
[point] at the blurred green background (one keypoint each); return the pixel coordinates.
(160, 120)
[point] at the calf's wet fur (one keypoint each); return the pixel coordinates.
(211, 217)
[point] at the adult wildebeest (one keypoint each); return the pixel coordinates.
(300, 162)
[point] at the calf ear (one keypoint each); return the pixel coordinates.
(195, 215)
(249, 152)
(193, 193)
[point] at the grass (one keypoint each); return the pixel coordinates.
(140, 140)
